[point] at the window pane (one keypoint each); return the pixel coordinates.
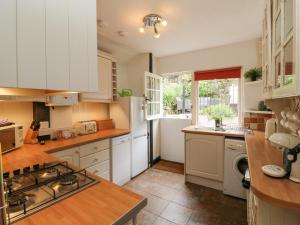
(288, 62)
(288, 16)
(177, 94)
(278, 32)
(218, 99)
(278, 70)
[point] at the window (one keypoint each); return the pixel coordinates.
(177, 94)
(218, 99)
(153, 96)
(217, 96)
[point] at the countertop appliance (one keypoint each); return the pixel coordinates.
(11, 137)
(121, 159)
(40, 186)
(291, 149)
(86, 127)
(129, 113)
(235, 166)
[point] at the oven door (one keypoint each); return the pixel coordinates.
(8, 139)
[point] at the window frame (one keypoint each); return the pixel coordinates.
(195, 102)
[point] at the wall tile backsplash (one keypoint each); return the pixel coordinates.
(256, 121)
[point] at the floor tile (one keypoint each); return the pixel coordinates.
(162, 221)
(144, 218)
(177, 214)
(172, 201)
(155, 205)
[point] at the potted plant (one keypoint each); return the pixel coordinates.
(218, 113)
(253, 74)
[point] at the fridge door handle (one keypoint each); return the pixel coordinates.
(139, 136)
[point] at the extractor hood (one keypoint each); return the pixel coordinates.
(51, 98)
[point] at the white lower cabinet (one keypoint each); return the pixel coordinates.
(263, 213)
(204, 156)
(69, 155)
(121, 171)
(94, 157)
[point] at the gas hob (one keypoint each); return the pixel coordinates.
(40, 186)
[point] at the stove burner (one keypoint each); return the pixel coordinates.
(20, 202)
(17, 200)
(68, 179)
(49, 172)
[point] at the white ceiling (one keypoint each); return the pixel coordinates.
(192, 24)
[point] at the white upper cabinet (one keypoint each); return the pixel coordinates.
(106, 82)
(92, 45)
(281, 54)
(57, 44)
(31, 50)
(8, 43)
(79, 69)
(105, 68)
(49, 44)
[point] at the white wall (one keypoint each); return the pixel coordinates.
(18, 112)
(66, 116)
(239, 54)
(136, 68)
(172, 139)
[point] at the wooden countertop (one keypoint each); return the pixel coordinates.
(102, 204)
(206, 131)
(31, 154)
(280, 192)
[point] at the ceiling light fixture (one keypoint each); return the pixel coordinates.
(152, 20)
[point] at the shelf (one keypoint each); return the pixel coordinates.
(253, 82)
(258, 112)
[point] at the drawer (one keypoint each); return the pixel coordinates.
(94, 159)
(99, 168)
(93, 147)
(104, 175)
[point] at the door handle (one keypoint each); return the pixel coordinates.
(143, 135)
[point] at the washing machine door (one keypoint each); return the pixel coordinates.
(240, 165)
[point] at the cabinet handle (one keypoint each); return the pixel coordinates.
(77, 152)
(96, 148)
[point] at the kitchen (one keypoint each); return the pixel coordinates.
(106, 119)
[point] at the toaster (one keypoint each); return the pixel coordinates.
(86, 127)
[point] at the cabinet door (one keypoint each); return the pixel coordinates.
(69, 155)
(78, 43)
(57, 44)
(205, 156)
(92, 45)
(104, 75)
(121, 163)
(31, 44)
(8, 43)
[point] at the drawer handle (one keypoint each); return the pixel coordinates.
(95, 160)
(96, 171)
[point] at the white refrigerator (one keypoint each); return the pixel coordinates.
(128, 113)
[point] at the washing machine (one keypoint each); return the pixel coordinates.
(235, 166)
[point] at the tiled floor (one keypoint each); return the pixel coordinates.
(171, 202)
